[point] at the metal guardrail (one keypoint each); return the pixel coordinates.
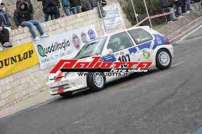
(153, 17)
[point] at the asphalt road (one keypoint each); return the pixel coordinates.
(161, 102)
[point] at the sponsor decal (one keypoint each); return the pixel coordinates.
(56, 46)
(17, 59)
(98, 65)
(113, 21)
(146, 54)
(76, 42)
(91, 34)
(63, 45)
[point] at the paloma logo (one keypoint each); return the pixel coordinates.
(98, 65)
(56, 46)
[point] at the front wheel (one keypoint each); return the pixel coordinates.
(163, 59)
(96, 81)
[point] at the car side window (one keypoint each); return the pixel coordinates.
(140, 35)
(119, 42)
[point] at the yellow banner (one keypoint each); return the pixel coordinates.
(16, 59)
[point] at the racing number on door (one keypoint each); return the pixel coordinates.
(124, 58)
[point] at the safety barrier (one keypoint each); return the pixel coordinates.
(153, 17)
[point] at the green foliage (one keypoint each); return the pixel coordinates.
(153, 7)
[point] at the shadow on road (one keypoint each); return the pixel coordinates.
(107, 87)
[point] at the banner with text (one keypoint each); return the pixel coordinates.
(63, 45)
(17, 59)
(113, 21)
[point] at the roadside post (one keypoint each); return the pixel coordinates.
(146, 8)
(134, 10)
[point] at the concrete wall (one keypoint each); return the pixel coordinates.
(38, 13)
(28, 83)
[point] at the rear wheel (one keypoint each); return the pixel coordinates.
(163, 59)
(96, 81)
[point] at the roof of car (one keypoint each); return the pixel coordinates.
(125, 30)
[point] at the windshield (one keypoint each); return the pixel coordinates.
(91, 49)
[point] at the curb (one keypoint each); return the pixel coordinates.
(185, 29)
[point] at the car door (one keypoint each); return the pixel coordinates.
(144, 41)
(119, 44)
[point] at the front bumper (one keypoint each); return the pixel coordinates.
(67, 85)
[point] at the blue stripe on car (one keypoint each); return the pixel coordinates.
(109, 58)
(132, 50)
(158, 41)
(145, 45)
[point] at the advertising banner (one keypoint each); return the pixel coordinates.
(113, 21)
(63, 45)
(17, 59)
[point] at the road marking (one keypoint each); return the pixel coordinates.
(193, 31)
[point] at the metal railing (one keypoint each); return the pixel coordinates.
(152, 17)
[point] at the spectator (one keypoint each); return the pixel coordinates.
(183, 4)
(168, 5)
(4, 22)
(76, 6)
(94, 3)
(51, 9)
(23, 16)
(4, 16)
(66, 6)
(86, 5)
(4, 37)
(178, 5)
(19, 2)
(188, 6)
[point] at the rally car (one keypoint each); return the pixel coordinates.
(141, 44)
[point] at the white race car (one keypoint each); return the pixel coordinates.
(138, 44)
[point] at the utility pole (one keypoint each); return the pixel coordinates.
(134, 10)
(146, 8)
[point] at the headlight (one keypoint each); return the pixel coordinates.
(51, 77)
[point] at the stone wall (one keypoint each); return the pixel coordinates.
(38, 14)
(31, 82)
(22, 85)
(22, 35)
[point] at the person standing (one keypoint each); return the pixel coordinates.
(188, 6)
(66, 7)
(4, 24)
(24, 17)
(51, 9)
(75, 6)
(94, 3)
(4, 16)
(179, 7)
(86, 5)
(168, 5)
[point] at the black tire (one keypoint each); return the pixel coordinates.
(159, 63)
(66, 95)
(91, 82)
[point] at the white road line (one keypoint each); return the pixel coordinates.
(193, 31)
